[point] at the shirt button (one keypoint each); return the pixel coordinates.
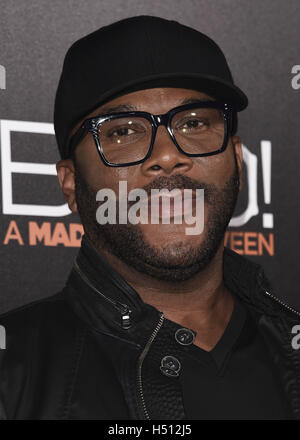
(184, 336)
(170, 366)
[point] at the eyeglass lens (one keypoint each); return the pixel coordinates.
(127, 139)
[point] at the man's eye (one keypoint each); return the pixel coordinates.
(191, 124)
(119, 132)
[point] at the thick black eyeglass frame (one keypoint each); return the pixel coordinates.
(91, 125)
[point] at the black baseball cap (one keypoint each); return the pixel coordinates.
(133, 54)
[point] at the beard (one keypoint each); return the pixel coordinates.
(175, 261)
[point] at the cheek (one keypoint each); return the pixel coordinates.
(216, 169)
(96, 173)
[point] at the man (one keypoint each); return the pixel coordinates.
(153, 322)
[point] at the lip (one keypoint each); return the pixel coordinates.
(158, 205)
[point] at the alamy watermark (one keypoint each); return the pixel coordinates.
(161, 204)
(295, 82)
(2, 77)
(2, 338)
(296, 339)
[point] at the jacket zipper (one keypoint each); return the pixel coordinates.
(125, 311)
(140, 363)
(122, 308)
(281, 302)
(126, 323)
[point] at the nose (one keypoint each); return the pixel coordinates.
(165, 157)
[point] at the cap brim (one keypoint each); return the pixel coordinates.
(213, 86)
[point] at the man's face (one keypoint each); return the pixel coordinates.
(164, 251)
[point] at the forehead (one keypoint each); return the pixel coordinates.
(159, 98)
(155, 100)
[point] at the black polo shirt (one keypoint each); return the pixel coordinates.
(235, 380)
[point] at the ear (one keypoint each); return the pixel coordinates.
(66, 178)
(237, 146)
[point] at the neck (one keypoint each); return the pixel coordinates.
(201, 303)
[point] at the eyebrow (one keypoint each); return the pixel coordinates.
(131, 107)
(195, 100)
(118, 109)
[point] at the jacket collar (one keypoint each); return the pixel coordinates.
(105, 301)
(110, 305)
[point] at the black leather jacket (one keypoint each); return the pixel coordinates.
(94, 350)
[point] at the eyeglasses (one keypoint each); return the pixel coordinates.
(127, 138)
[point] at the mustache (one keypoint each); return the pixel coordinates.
(181, 182)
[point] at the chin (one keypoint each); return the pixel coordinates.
(172, 236)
